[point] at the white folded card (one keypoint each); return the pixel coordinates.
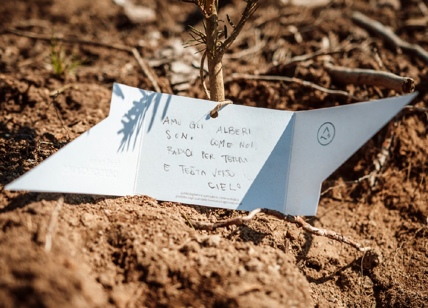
(168, 147)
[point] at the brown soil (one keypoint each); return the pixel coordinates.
(136, 251)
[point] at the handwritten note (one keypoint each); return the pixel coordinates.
(168, 147)
(191, 158)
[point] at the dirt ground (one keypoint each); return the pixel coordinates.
(140, 252)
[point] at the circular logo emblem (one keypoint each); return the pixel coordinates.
(326, 133)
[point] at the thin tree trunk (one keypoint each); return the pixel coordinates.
(215, 67)
(216, 79)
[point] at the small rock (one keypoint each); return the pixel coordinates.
(36, 209)
(121, 297)
(181, 67)
(307, 3)
(316, 263)
(189, 248)
(372, 259)
(106, 280)
(182, 87)
(254, 265)
(212, 241)
(394, 4)
(367, 282)
(139, 14)
(157, 273)
(87, 219)
(73, 221)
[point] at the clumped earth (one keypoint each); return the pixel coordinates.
(137, 251)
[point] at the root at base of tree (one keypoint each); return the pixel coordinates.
(298, 220)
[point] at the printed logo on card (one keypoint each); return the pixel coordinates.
(326, 133)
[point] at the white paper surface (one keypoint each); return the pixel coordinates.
(315, 158)
(169, 148)
(92, 163)
(191, 158)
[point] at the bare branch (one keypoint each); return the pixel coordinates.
(389, 35)
(298, 220)
(294, 80)
(252, 6)
(369, 77)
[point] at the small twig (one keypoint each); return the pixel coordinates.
(224, 223)
(359, 180)
(358, 76)
(58, 115)
(52, 223)
(389, 35)
(298, 220)
(423, 7)
(381, 158)
(416, 108)
(406, 241)
(143, 65)
(252, 6)
(188, 221)
(417, 188)
(146, 69)
(62, 89)
(361, 275)
(293, 80)
(420, 23)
